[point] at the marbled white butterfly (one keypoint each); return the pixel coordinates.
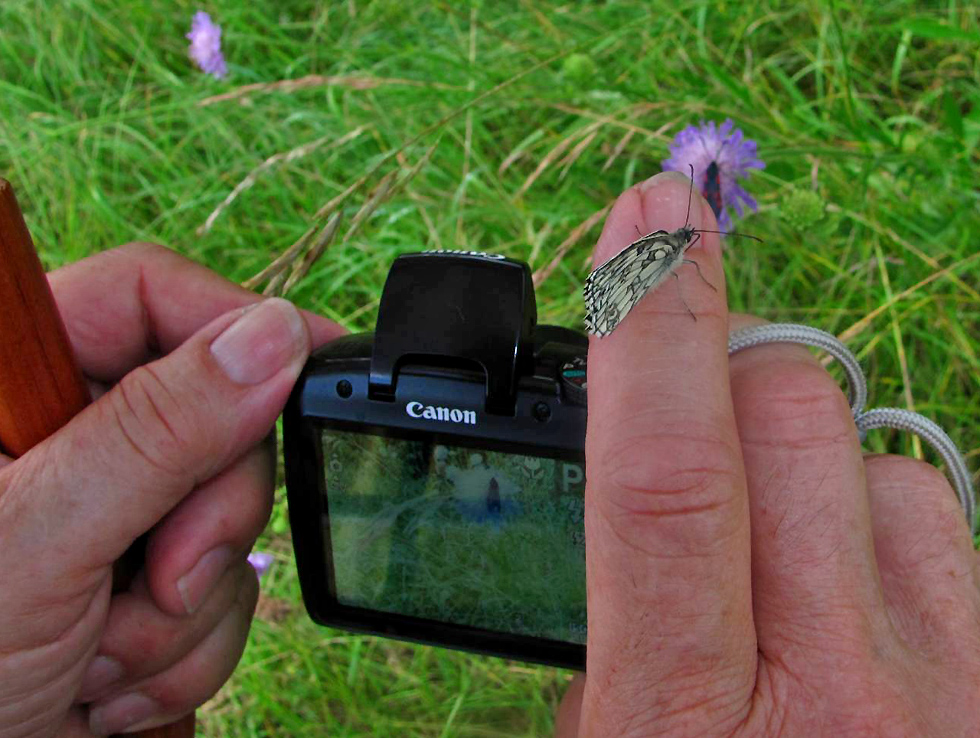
(615, 287)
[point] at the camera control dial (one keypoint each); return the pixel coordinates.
(573, 380)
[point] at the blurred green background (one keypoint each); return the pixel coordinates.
(867, 115)
(423, 542)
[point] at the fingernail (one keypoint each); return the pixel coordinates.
(661, 177)
(195, 586)
(102, 672)
(669, 202)
(266, 338)
(673, 190)
(121, 713)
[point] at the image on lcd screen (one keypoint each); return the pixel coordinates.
(481, 538)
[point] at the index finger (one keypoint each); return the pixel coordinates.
(667, 517)
(127, 306)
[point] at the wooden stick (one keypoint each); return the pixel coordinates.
(41, 386)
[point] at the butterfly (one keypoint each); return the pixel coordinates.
(616, 286)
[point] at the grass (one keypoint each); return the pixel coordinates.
(431, 547)
(875, 108)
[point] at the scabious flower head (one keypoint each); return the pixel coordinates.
(205, 50)
(260, 562)
(806, 212)
(734, 155)
(802, 209)
(579, 68)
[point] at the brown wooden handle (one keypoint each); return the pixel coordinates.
(41, 386)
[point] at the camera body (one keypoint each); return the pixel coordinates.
(435, 469)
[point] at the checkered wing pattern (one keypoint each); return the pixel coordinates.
(615, 287)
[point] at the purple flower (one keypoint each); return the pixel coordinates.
(732, 154)
(205, 47)
(260, 562)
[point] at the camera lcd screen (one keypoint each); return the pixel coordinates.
(454, 534)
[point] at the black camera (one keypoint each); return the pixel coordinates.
(435, 469)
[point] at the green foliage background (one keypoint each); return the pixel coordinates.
(421, 541)
(867, 114)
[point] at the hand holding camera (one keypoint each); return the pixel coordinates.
(189, 373)
(749, 572)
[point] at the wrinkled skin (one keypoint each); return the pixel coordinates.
(750, 573)
(174, 446)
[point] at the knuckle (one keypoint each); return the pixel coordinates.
(655, 476)
(793, 403)
(153, 421)
(931, 489)
(915, 490)
(680, 699)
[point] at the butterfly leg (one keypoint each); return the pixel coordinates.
(689, 261)
(697, 237)
(682, 298)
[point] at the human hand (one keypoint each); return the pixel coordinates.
(750, 573)
(179, 446)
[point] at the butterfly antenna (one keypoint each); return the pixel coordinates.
(733, 233)
(687, 218)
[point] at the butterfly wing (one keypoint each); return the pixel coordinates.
(615, 287)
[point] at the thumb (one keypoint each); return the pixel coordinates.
(119, 466)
